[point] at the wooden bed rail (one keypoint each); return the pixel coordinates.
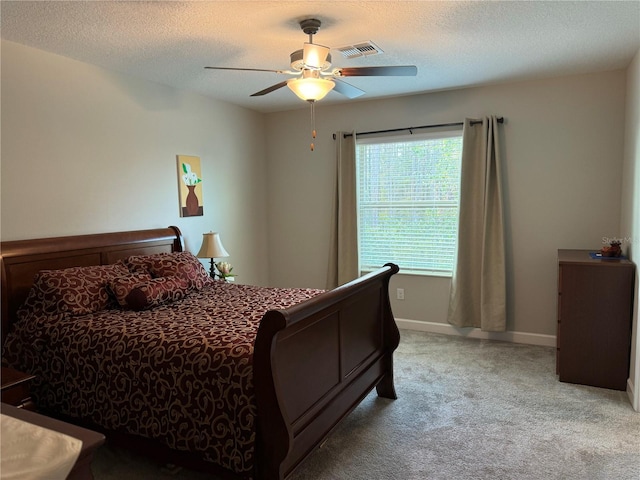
(315, 362)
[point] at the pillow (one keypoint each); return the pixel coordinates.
(34, 303)
(157, 291)
(122, 286)
(181, 264)
(77, 290)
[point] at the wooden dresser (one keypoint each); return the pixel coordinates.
(595, 304)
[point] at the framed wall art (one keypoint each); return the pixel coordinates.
(190, 186)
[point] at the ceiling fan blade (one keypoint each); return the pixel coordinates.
(269, 89)
(251, 69)
(346, 89)
(390, 71)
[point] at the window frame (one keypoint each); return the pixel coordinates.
(441, 132)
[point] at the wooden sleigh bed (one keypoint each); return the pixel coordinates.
(312, 362)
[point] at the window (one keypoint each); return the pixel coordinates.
(408, 191)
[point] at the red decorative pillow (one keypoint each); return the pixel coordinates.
(122, 286)
(157, 291)
(140, 263)
(76, 290)
(35, 301)
(180, 264)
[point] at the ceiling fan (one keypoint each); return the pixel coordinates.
(314, 77)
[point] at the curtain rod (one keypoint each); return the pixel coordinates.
(454, 124)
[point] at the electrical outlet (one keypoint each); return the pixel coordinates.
(400, 293)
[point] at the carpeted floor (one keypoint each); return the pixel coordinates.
(466, 409)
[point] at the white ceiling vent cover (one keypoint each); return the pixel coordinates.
(360, 50)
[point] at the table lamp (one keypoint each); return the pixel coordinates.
(212, 248)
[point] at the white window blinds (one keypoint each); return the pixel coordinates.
(408, 191)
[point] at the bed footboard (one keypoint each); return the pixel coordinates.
(315, 362)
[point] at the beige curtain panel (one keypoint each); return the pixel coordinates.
(478, 287)
(343, 253)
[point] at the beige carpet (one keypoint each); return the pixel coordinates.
(466, 409)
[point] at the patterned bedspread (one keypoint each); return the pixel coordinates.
(180, 373)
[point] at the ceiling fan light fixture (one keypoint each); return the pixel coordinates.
(314, 56)
(310, 89)
(297, 61)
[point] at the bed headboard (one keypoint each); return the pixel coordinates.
(20, 260)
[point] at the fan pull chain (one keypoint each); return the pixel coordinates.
(313, 123)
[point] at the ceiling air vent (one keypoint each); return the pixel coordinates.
(360, 50)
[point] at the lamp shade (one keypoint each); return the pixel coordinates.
(211, 246)
(310, 89)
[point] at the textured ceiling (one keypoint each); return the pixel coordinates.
(453, 43)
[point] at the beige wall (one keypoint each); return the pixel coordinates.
(86, 150)
(631, 209)
(563, 169)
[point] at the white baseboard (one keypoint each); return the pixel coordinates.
(635, 402)
(510, 336)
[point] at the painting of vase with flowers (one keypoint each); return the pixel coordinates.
(190, 186)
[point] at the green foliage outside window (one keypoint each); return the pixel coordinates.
(408, 198)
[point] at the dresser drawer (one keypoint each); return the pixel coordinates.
(15, 388)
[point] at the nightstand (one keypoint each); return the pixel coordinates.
(15, 388)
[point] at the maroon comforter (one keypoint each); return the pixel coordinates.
(180, 373)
